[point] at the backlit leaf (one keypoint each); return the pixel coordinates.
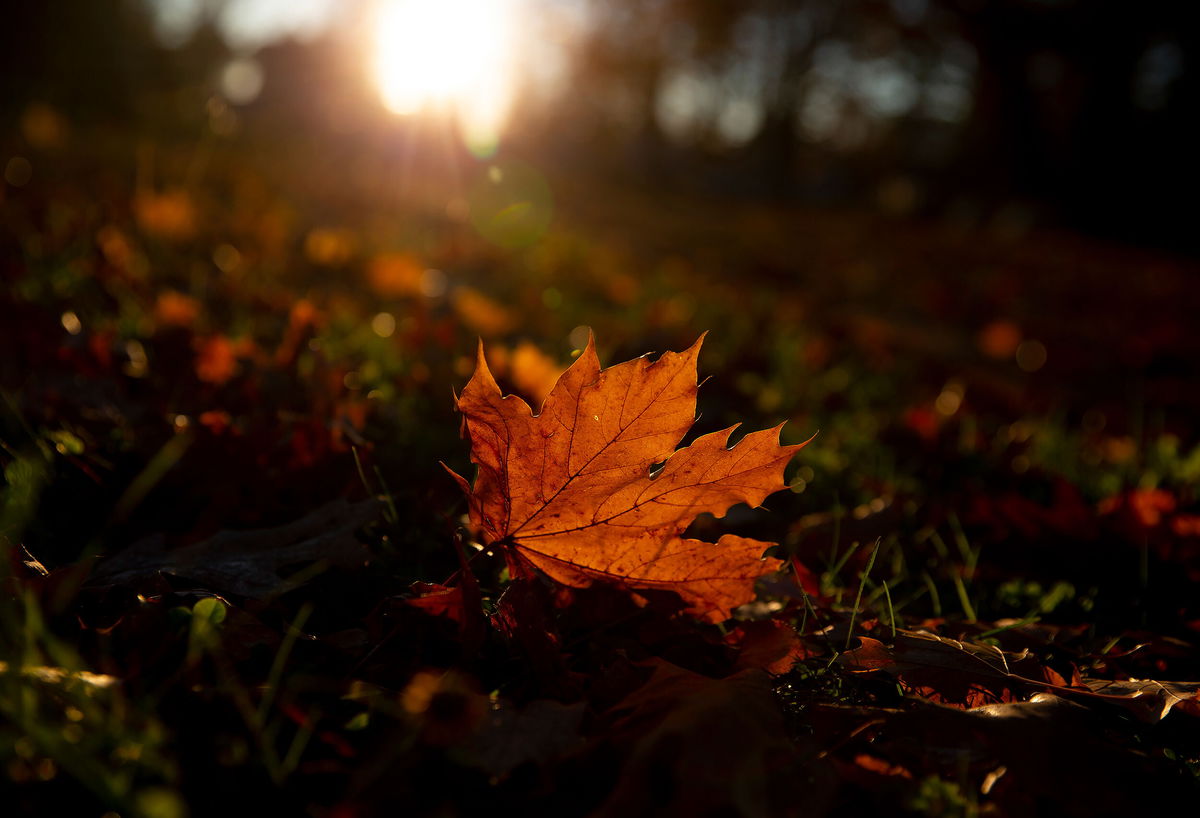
(574, 492)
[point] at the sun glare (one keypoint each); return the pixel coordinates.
(448, 55)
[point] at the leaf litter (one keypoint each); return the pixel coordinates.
(578, 664)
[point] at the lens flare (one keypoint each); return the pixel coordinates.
(452, 56)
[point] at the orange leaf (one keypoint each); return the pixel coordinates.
(394, 275)
(481, 313)
(573, 490)
(174, 309)
(533, 371)
(169, 215)
(216, 359)
(438, 600)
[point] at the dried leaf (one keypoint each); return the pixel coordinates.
(769, 645)
(533, 371)
(174, 309)
(694, 745)
(438, 600)
(540, 732)
(216, 359)
(481, 313)
(169, 215)
(574, 492)
(247, 563)
(973, 676)
(395, 275)
(1039, 757)
(951, 672)
(1149, 699)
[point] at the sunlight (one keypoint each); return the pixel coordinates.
(449, 55)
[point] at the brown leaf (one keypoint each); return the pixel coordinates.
(572, 490)
(951, 672)
(540, 732)
(394, 275)
(169, 215)
(174, 309)
(1046, 756)
(438, 600)
(967, 675)
(247, 563)
(769, 645)
(521, 616)
(873, 764)
(1150, 700)
(481, 313)
(693, 745)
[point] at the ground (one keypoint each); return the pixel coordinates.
(236, 572)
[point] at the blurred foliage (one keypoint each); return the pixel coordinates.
(973, 112)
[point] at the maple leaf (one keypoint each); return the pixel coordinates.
(574, 490)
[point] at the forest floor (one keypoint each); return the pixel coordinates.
(235, 571)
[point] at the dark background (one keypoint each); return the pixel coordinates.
(1032, 112)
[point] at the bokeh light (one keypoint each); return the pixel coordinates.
(1031, 355)
(242, 80)
(511, 206)
(18, 171)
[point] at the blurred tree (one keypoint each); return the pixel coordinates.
(1077, 109)
(1078, 112)
(82, 57)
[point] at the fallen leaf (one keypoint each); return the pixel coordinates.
(1150, 700)
(769, 645)
(168, 215)
(521, 617)
(1038, 757)
(967, 675)
(540, 732)
(395, 275)
(574, 491)
(117, 248)
(329, 247)
(303, 319)
(174, 309)
(219, 358)
(1186, 525)
(247, 563)
(879, 766)
(44, 127)
(693, 745)
(217, 421)
(481, 313)
(216, 359)
(446, 707)
(951, 672)
(870, 773)
(999, 340)
(533, 371)
(1145, 507)
(438, 600)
